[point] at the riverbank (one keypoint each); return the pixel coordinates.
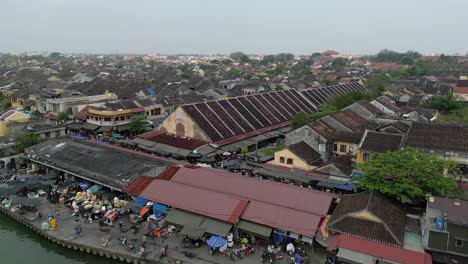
(21, 245)
(63, 237)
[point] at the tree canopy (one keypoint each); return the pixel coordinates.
(137, 123)
(339, 63)
(24, 139)
(447, 103)
(408, 175)
(393, 56)
(239, 56)
(300, 119)
(63, 116)
(342, 101)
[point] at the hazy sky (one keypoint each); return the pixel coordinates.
(224, 26)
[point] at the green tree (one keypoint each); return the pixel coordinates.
(393, 56)
(267, 59)
(137, 123)
(339, 63)
(316, 54)
(407, 60)
(226, 62)
(4, 103)
(55, 55)
(325, 109)
(63, 116)
(376, 84)
(25, 139)
(299, 120)
(342, 101)
(284, 57)
(408, 175)
(447, 103)
(235, 72)
(331, 82)
(239, 56)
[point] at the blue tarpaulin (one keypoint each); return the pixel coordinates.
(79, 138)
(345, 187)
(116, 135)
(278, 236)
(139, 201)
(84, 184)
(151, 91)
(159, 209)
(95, 188)
(216, 241)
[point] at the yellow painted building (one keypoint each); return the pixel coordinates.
(299, 155)
(363, 156)
(181, 124)
(285, 158)
(17, 102)
(343, 148)
(11, 116)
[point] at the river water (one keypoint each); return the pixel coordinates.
(20, 245)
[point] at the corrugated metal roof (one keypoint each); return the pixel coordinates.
(283, 218)
(280, 194)
(213, 204)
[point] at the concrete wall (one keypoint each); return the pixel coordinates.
(311, 137)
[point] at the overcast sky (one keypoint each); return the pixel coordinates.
(224, 26)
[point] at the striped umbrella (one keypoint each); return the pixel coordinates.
(216, 241)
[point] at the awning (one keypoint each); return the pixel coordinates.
(191, 220)
(105, 129)
(216, 227)
(354, 257)
(74, 126)
(89, 126)
(123, 127)
(183, 218)
(256, 229)
(192, 232)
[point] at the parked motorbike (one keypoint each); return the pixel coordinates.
(188, 254)
(231, 255)
(163, 252)
(135, 229)
(124, 242)
(190, 243)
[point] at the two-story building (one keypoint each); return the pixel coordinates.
(445, 230)
(375, 142)
(448, 141)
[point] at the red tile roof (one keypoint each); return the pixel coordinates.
(8, 114)
(396, 254)
(201, 201)
(460, 90)
(173, 140)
